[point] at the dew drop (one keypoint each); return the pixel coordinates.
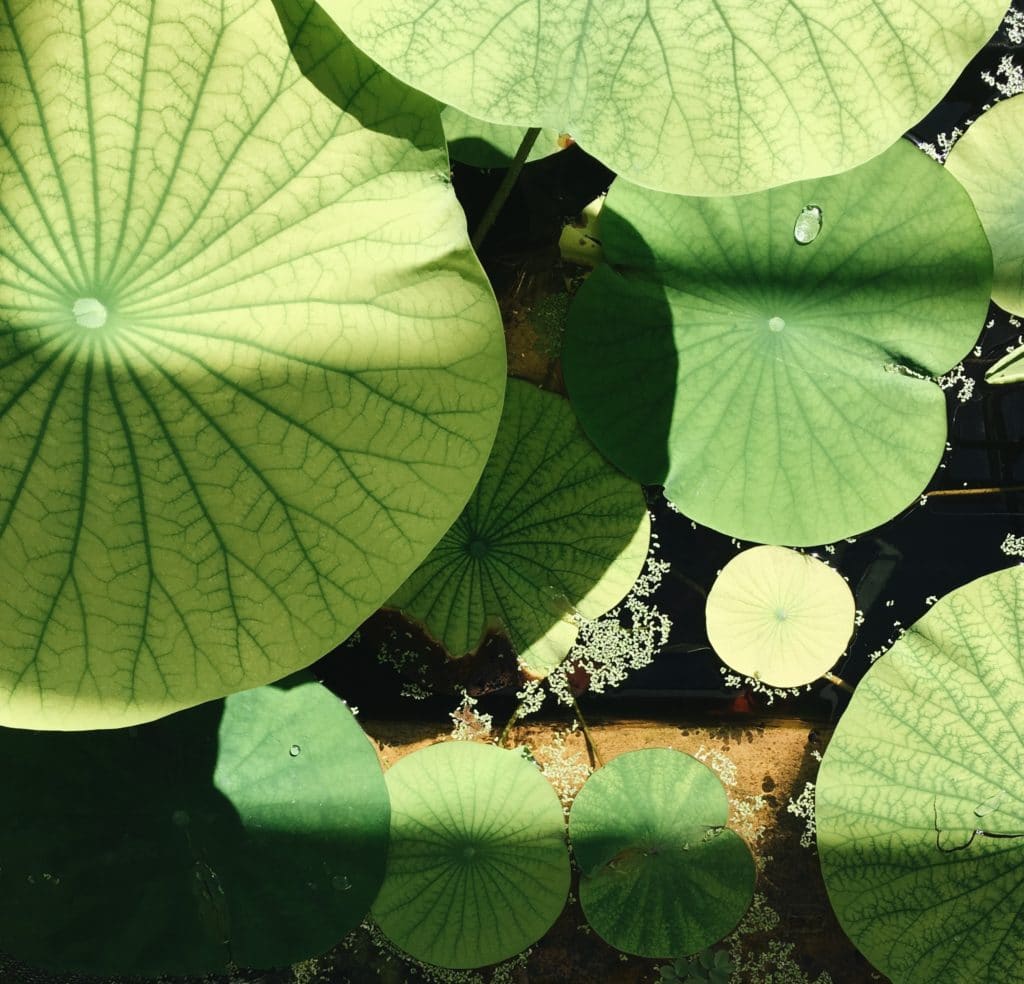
(341, 883)
(776, 324)
(89, 312)
(295, 750)
(808, 224)
(989, 806)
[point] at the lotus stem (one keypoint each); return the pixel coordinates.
(595, 755)
(982, 490)
(837, 682)
(508, 724)
(496, 204)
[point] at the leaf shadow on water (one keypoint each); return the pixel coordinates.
(122, 854)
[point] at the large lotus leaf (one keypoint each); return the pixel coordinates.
(779, 616)
(253, 829)
(988, 160)
(711, 97)
(765, 357)
(483, 144)
(552, 532)
(250, 367)
(919, 805)
(661, 876)
(478, 868)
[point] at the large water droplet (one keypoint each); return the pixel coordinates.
(808, 224)
(989, 806)
(776, 324)
(295, 750)
(89, 312)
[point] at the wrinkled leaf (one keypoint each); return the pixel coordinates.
(706, 98)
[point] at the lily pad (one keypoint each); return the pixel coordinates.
(919, 807)
(779, 616)
(253, 829)
(251, 367)
(481, 144)
(552, 533)
(661, 875)
(775, 374)
(987, 160)
(714, 98)
(478, 867)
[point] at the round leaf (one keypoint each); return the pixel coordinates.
(252, 830)
(478, 868)
(251, 368)
(779, 616)
(919, 807)
(483, 144)
(660, 874)
(772, 375)
(707, 98)
(987, 160)
(551, 533)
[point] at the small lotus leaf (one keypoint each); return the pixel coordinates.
(661, 876)
(478, 867)
(779, 616)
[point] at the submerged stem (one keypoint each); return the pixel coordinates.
(837, 681)
(496, 204)
(983, 490)
(595, 755)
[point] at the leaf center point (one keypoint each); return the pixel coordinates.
(776, 324)
(89, 312)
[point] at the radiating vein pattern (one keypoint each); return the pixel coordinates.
(249, 369)
(780, 389)
(702, 97)
(552, 533)
(919, 808)
(477, 866)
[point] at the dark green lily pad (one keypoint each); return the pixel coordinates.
(767, 358)
(661, 876)
(478, 868)
(919, 805)
(551, 532)
(252, 829)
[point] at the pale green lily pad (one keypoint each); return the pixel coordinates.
(1009, 369)
(251, 367)
(779, 616)
(762, 357)
(716, 97)
(661, 875)
(483, 144)
(478, 867)
(919, 805)
(988, 160)
(552, 533)
(253, 829)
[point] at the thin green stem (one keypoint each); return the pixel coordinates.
(508, 724)
(505, 188)
(595, 755)
(837, 682)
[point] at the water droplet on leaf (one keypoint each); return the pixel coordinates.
(989, 806)
(295, 750)
(776, 324)
(808, 224)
